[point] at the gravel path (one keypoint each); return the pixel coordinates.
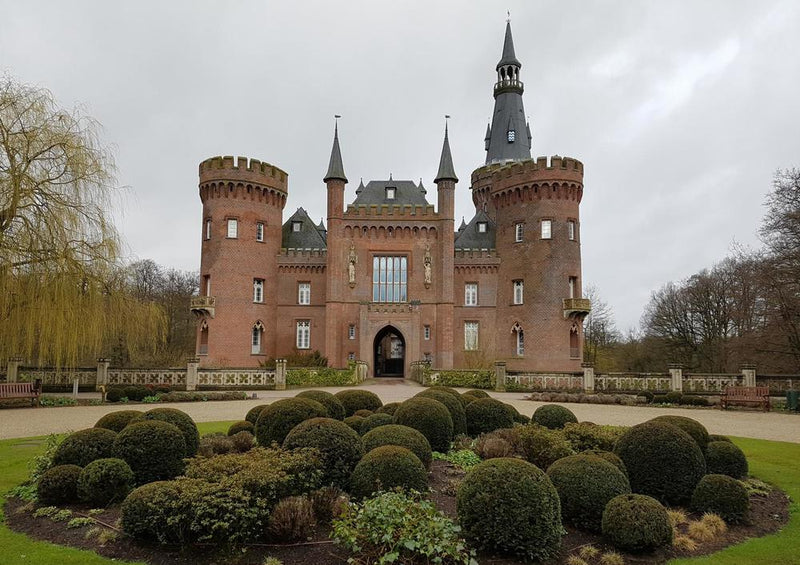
(25, 422)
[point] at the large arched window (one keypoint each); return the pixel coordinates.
(257, 335)
(519, 339)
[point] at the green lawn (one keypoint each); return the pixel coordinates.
(775, 462)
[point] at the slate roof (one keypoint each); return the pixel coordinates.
(446, 169)
(335, 167)
(508, 57)
(470, 238)
(408, 192)
(310, 236)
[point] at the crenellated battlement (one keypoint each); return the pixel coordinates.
(541, 169)
(362, 211)
(305, 253)
(242, 169)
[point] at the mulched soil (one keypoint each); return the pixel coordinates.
(768, 514)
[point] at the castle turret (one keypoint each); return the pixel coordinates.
(335, 180)
(445, 180)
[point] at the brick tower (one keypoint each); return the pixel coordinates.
(243, 202)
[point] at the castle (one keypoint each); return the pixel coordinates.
(391, 280)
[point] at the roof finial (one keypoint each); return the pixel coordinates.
(508, 19)
(335, 168)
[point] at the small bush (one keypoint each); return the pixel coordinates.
(453, 405)
(476, 393)
(693, 400)
(516, 416)
(215, 444)
(662, 461)
(355, 422)
(364, 413)
(673, 397)
(553, 416)
(647, 395)
(692, 427)
(722, 495)
(583, 436)
(328, 503)
(114, 395)
(430, 417)
(389, 408)
(292, 519)
(116, 421)
(398, 526)
(402, 436)
(254, 413)
(59, 485)
(358, 399)
(104, 481)
(277, 419)
(585, 484)
(715, 437)
(332, 404)
(375, 421)
(153, 449)
(659, 399)
(510, 506)
(180, 420)
(451, 391)
(136, 393)
(724, 458)
(608, 456)
(491, 446)
(241, 426)
(636, 523)
(388, 467)
(541, 446)
(83, 447)
(339, 445)
(243, 441)
(486, 415)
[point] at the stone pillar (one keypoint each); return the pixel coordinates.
(748, 374)
(280, 374)
(102, 373)
(500, 376)
(588, 377)
(676, 374)
(12, 371)
(192, 363)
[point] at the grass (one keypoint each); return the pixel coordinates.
(774, 462)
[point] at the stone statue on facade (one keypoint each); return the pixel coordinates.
(352, 259)
(427, 262)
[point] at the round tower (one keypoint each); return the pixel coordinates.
(243, 202)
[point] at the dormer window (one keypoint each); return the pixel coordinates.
(482, 227)
(296, 226)
(390, 192)
(511, 135)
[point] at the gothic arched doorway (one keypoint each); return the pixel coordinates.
(389, 352)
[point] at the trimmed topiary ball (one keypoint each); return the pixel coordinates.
(355, 422)
(59, 485)
(722, 495)
(402, 436)
(476, 393)
(278, 418)
(180, 420)
(692, 427)
(105, 481)
(662, 461)
(451, 391)
(241, 426)
(510, 506)
(339, 445)
(636, 523)
(486, 415)
(143, 513)
(539, 445)
(388, 408)
(516, 416)
(454, 406)
(364, 413)
(254, 413)
(388, 467)
(153, 449)
(430, 417)
(724, 458)
(553, 416)
(83, 447)
(585, 484)
(375, 421)
(356, 399)
(115, 421)
(608, 456)
(715, 437)
(332, 404)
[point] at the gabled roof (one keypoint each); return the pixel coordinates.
(407, 192)
(470, 238)
(310, 235)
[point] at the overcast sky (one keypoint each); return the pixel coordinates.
(681, 111)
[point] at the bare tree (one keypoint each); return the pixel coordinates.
(599, 332)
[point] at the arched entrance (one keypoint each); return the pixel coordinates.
(389, 352)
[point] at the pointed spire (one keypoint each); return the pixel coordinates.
(446, 170)
(421, 188)
(321, 225)
(335, 167)
(360, 186)
(463, 225)
(488, 137)
(528, 128)
(508, 57)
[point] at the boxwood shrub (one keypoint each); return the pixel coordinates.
(375, 421)
(587, 435)
(722, 495)
(725, 458)
(553, 416)
(253, 414)
(182, 421)
(389, 408)
(241, 426)
(453, 405)
(339, 445)
(386, 468)
(358, 399)
(59, 485)
(636, 523)
(486, 415)
(609, 456)
(402, 436)
(510, 506)
(153, 449)
(332, 404)
(104, 481)
(451, 391)
(355, 422)
(539, 445)
(115, 421)
(84, 446)
(277, 419)
(430, 417)
(364, 413)
(692, 427)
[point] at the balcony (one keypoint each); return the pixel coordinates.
(577, 308)
(202, 305)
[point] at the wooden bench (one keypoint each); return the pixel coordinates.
(21, 390)
(746, 395)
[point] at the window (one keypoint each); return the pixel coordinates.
(471, 294)
(351, 331)
(207, 284)
(258, 329)
(304, 293)
(572, 283)
(390, 192)
(258, 290)
(259, 231)
(574, 350)
(203, 347)
(518, 292)
(233, 228)
(571, 230)
(426, 332)
(303, 334)
(482, 227)
(511, 135)
(296, 226)
(519, 230)
(207, 234)
(520, 342)
(389, 279)
(547, 229)
(351, 356)
(470, 336)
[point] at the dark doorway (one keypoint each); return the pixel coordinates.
(390, 353)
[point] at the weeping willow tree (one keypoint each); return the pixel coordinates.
(60, 291)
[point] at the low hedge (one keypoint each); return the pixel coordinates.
(59, 485)
(277, 419)
(182, 421)
(692, 427)
(453, 405)
(358, 399)
(153, 449)
(386, 468)
(332, 404)
(105, 481)
(725, 458)
(82, 447)
(465, 379)
(339, 445)
(553, 416)
(375, 421)
(430, 417)
(486, 415)
(116, 421)
(402, 436)
(322, 376)
(722, 495)
(636, 523)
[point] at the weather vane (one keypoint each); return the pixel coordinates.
(508, 13)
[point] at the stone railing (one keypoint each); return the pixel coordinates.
(168, 377)
(544, 381)
(632, 382)
(85, 376)
(236, 378)
(779, 384)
